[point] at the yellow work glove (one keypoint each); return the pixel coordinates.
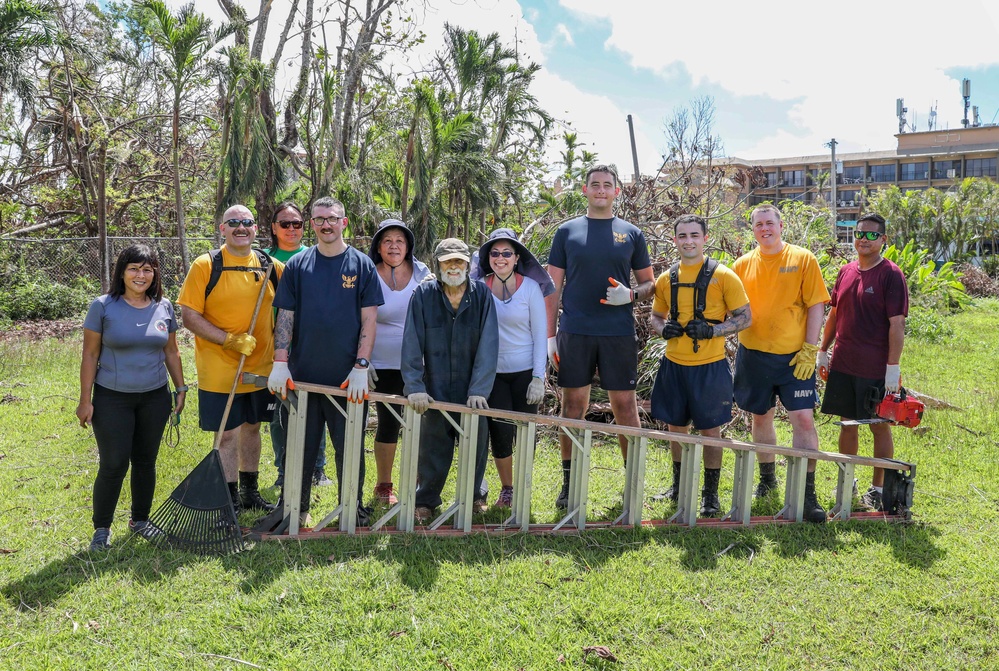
(243, 343)
(804, 361)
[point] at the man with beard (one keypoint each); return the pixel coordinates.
(219, 317)
(327, 308)
(449, 349)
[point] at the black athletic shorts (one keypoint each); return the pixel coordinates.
(699, 394)
(846, 395)
(252, 408)
(580, 356)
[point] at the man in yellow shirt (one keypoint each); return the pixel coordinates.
(220, 319)
(694, 384)
(777, 354)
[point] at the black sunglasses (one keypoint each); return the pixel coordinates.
(290, 224)
(236, 223)
(867, 235)
(495, 253)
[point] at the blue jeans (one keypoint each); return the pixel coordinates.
(279, 439)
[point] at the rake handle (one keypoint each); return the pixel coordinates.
(242, 357)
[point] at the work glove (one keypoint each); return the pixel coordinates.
(698, 329)
(372, 377)
(553, 352)
(618, 294)
(822, 361)
(804, 361)
(243, 343)
(535, 391)
(279, 380)
(477, 402)
(893, 377)
(429, 278)
(672, 329)
(420, 401)
(356, 385)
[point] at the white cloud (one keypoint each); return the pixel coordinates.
(563, 31)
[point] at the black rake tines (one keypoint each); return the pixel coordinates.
(199, 516)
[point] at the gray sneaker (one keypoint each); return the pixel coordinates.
(872, 500)
(101, 540)
(319, 478)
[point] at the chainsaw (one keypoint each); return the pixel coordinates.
(897, 408)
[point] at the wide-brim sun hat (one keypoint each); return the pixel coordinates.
(383, 228)
(527, 264)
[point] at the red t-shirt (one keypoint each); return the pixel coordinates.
(865, 300)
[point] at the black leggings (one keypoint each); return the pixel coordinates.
(128, 428)
(389, 382)
(509, 393)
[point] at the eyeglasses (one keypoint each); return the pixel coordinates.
(290, 224)
(236, 223)
(495, 253)
(322, 221)
(867, 235)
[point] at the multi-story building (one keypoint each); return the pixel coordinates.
(936, 159)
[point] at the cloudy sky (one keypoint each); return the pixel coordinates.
(785, 77)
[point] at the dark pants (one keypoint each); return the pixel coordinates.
(279, 441)
(509, 393)
(321, 417)
(437, 440)
(128, 428)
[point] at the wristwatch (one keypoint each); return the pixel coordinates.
(362, 362)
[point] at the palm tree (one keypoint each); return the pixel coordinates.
(25, 27)
(185, 39)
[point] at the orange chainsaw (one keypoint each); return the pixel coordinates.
(897, 408)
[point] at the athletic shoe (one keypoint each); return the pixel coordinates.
(364, 515)
(101, 540)
(144, 528)
(479, 506)
(385, 494)
(319, 478)
(423, 514)
(505, 499)
(872, 500)
(562, 502)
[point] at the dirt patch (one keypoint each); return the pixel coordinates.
(40, 329)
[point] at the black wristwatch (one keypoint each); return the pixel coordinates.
(362, 362)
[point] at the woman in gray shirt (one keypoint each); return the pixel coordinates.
(129, 346)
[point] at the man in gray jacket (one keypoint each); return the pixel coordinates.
(449, 349)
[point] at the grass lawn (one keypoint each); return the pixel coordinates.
(854, 595)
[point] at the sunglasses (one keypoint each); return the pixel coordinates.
(867, 235)
(290, 224)
(495, 253)
(236, 223)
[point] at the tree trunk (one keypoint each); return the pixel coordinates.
(178, 200)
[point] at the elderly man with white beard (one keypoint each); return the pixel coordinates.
(449, 349)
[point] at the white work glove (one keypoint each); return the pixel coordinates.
(372, 377)
(618, 294)
(553, 352)
(280, 379)
(356, 385)
(477, 402)
(822, 363)
(420, 401)
(893, 377)
(535, 391)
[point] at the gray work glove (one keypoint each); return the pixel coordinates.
(420, 401)
(477, 402)
(535, 391)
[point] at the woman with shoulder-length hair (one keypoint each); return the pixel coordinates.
(129, 346)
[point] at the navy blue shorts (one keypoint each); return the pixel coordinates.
(253, 408)
(761, 378)
(699, 394)
(846, 395)
(580, 356)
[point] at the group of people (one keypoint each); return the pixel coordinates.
(477, 330)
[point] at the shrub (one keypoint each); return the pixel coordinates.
(977, 282)
(927, 324)
(34, 297)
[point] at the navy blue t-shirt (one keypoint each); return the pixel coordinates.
(327, 294)
(590, 251)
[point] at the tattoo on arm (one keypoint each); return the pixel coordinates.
(739, 320)
(283, 330)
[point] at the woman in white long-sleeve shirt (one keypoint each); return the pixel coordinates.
(507, 268)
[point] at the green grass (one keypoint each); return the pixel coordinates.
(864, 595)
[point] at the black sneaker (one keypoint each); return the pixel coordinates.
(144, 528)
(710, 504)
(101, 540)
(364, 515)
(872, 500)
(319, 478)
(763, 488)
(562, 502)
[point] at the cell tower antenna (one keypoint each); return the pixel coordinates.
(900, 112)
(932, 123)
(966, 94)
